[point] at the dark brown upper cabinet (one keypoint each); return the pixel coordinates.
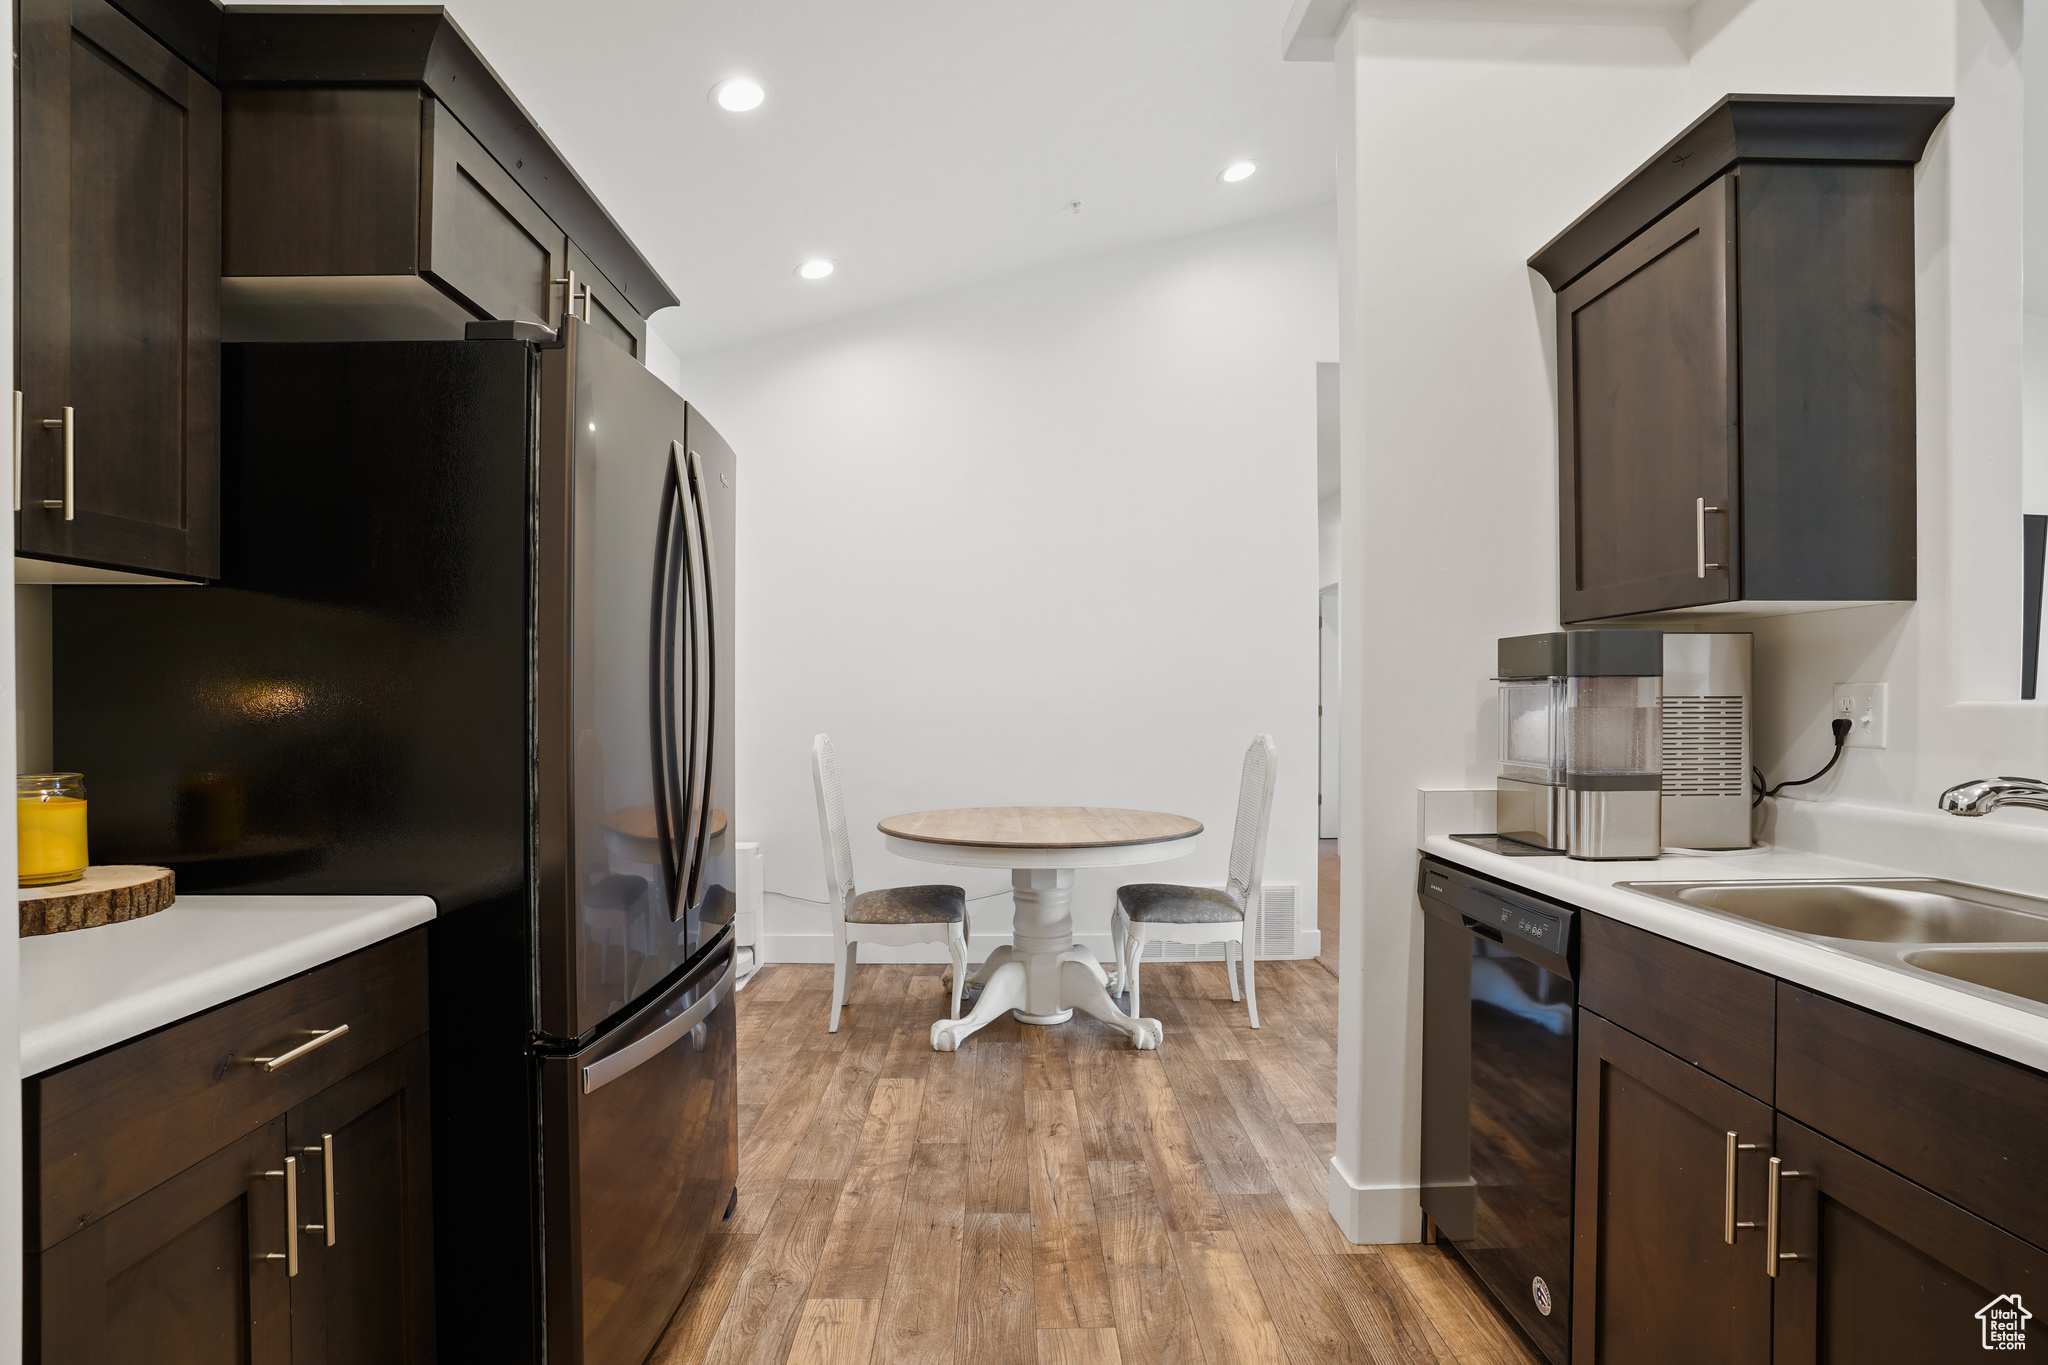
(1735, 365)
(117, 302)
(381, 183)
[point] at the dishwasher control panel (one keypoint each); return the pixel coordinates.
(1508, 915)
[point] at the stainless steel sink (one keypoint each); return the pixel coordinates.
(1906, 910)
(1971, 938)
(2013, 971)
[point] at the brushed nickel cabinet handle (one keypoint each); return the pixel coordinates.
(1699, 535)
(17, 450)
(1728, 1223)
(326, 1151)
(290, 1255)
(568, 283)
(1771, 1253)
(70, 465)
(320, 1038)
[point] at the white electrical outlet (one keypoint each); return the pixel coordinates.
(1862, 705)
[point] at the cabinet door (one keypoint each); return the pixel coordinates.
(1885, 1270)
(1647, 434)
(1655, 1276)
(119, 296)
(179, 1276)
(481, 238)
(364, 1294)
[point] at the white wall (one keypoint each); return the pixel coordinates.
(1050, 540)
(1449, 435)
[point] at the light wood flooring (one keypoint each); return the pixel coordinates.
(1049, 1196)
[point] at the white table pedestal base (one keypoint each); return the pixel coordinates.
(1043, 976)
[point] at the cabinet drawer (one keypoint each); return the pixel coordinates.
(1963, 1124)
(106, 1129)
(1714, 1014)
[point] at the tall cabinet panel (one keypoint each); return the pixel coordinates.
(118, 297)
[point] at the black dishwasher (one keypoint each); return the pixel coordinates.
(1498, 1051)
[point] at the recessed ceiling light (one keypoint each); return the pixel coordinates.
(738, 94)
(817, 269)
(1239, 170)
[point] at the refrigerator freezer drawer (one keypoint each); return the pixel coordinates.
(640, 1133)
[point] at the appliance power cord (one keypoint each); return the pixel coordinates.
(1758, 793)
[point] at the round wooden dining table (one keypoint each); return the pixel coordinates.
(1042, 976)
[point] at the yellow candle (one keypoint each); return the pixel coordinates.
(52, 839)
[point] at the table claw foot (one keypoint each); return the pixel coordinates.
(1080, 989)
(1003, 989)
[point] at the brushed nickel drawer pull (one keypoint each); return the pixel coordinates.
(1728, 1223)
(320, 1038)
(70, 464)
(1699, 535)
(326, 1151)
(290, 1255)
(1771, 1253)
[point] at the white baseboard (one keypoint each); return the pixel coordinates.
(818, 948)
(1374, 1215)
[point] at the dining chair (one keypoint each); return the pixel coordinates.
(1205, 914)
(896, 915)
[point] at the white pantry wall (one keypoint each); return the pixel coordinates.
(1050, 540)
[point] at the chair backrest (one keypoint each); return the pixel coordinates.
(1254, 815)
(832, 825)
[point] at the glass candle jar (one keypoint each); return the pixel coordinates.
(49, 812)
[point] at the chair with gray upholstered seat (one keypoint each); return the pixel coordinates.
(1205, 914)
(895, 915)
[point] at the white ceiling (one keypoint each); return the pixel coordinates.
(922, 144)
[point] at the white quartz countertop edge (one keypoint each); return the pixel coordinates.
(92, 988)
(2008, 1031)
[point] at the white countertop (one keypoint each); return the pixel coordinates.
(2018, 1031)
(92, 988)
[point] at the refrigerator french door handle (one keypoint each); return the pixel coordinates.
(661, 691)
(608, 1069)
(685, 774)
(704, 689)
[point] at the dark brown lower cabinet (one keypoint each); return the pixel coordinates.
(1885, 1270)
(178, 1276)
(1655, 1277)
(364, 1294)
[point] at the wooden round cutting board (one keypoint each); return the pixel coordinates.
(104, 895)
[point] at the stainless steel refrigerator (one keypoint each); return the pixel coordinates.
(472, 638)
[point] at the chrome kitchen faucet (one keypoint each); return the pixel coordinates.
(1983, 795)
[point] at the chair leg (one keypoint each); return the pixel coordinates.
(1134, 949)
(1117, 929)
(842, 958)
(1251, 989)
(1230, 967)
(956, 944)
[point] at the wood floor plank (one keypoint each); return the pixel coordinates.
(766, 1155)
(948, 1098)
(998, 1169)
(827, 1146)
(855, 1261)
(1111, 1112)
(1469, 1321)
(1229, 1311)
(761, 1319)
(1234, 1161)
(834, 1332)
(1299, 1172)
(1071, 1282)
(920, 1305)
(687, 1338)
(1310, 1317)
(996, 1312)
(1388, 1319)
(1172, 1157)
(774, 981)
(1154, 1325)
(1078, 1346)
(1045, 1059)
